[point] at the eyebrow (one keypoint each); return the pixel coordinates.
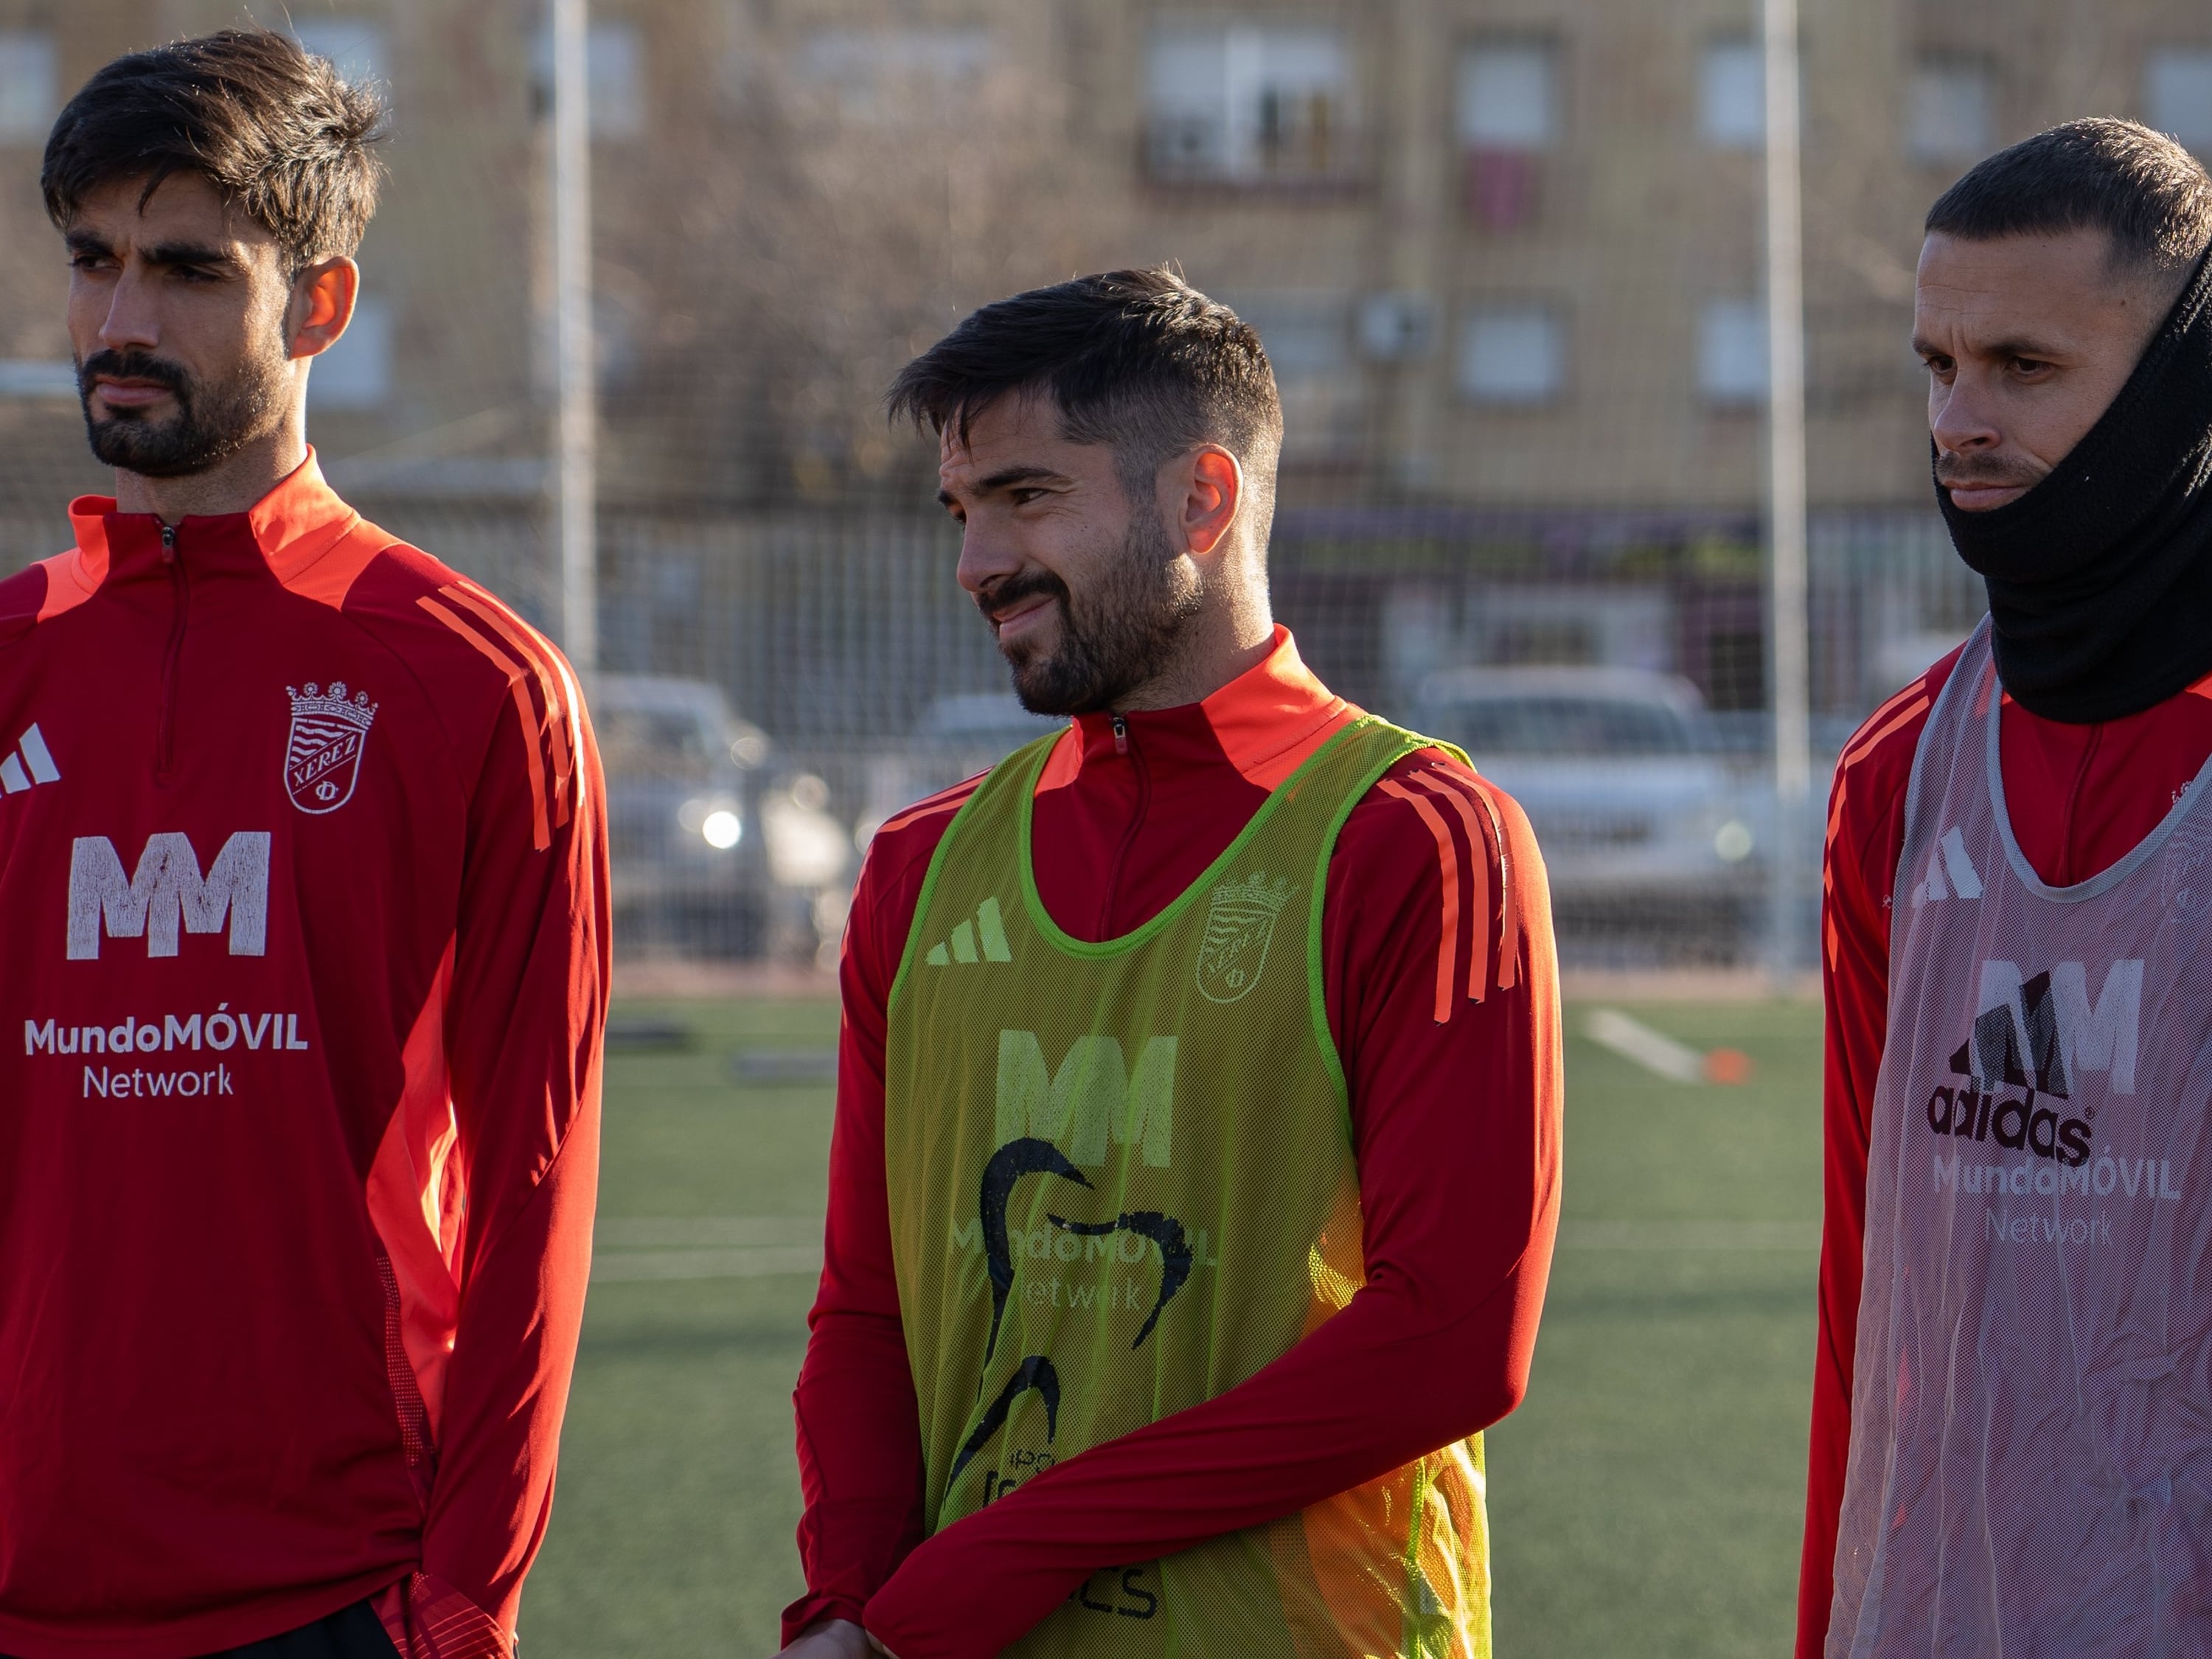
(1008, 478)
(2014, 348)
(190, 253)
(161, 253)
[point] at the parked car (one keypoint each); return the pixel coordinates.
(689, 870)
(707, 853)
(1645, 825)
(955, 737)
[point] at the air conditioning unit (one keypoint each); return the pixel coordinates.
(1397, 328)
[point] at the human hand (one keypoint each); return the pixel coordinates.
(833, 1638)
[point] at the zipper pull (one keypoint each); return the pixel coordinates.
(168, 543)
(1121, 735)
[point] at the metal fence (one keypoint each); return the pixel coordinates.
(812, 671)
(1506, 300)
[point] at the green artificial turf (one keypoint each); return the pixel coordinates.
(1646, 1499)
(1649, 1496)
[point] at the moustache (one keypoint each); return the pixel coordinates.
(132, 365)
(1015, 589)
(1954, 469)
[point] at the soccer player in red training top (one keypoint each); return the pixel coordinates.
(2011, 1451)
(303, 885)
(1196, 1161)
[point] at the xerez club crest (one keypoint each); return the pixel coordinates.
(1239, 925)
(322, 756)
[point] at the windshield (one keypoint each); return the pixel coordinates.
(1563, 726)
(657, 743)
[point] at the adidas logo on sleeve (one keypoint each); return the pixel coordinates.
(988, 930)
(28, 764)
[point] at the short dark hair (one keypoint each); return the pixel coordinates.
(280, 133)
(1136, 359)
(2140, 187)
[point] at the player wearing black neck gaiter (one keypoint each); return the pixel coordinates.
(2100, 577)
(2013, 897)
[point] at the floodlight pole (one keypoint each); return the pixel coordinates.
(1787, 617)
(576, 463)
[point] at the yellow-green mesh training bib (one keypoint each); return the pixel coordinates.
(1122, 1182)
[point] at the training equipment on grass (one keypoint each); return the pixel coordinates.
(1660, 1054)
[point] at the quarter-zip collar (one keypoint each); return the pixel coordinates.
(281, 534)
(1133, 805)
(1265, 723)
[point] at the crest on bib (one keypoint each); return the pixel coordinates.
(1240, 924)
(2186, 878)
(322, 754)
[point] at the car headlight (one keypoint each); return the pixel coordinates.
(714, 818)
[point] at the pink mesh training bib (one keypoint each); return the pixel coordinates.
(2030, 1457)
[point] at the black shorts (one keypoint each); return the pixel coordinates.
(354, 1632)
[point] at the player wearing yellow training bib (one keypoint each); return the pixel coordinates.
(1196, 1164)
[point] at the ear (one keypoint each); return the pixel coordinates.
(322, 305)
(1212, 487)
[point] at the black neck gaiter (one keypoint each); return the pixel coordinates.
(2100, 576)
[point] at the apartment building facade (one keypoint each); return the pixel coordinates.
(1505, 254)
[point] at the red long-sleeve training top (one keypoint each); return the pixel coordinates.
(1442, 994)
(2081, 799)
(302, 879)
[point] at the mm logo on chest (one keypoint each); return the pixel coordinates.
(2043, 1031)
(1094, 1100)
(167, 892)
(2040, 1036)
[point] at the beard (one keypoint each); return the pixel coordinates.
(1122, 631)
(213, 420)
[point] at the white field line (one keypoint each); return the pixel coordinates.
(636, 1249)
(675, 1231)
(633, 1248)
(1631, 1039)
(1690, 1235)
(763, 1262)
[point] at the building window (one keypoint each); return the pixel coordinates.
(29, 88)
(1508, 116)
(356, 372)
(1307, 333)
(1304, 331)
(1732, 351)
(615, 71)
(1949, 112)
(1512, 355)
(2178, 94)
(1508, 98)
(1732, 95)
(354, 46)
(1249, 103)
(895, 75)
